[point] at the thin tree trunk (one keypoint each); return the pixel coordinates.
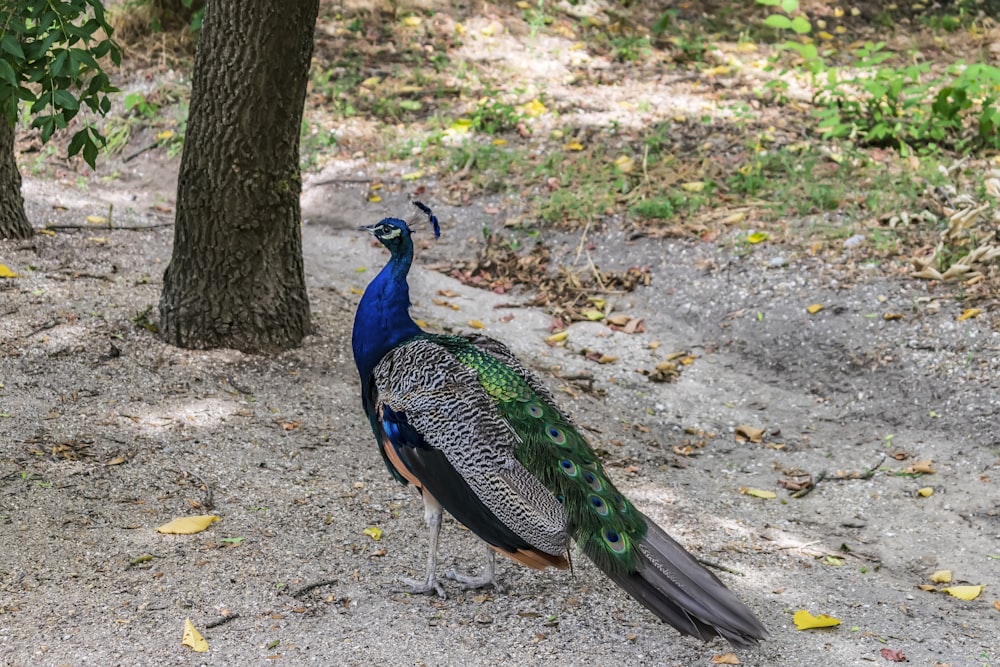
(236, 277)
(13, 222)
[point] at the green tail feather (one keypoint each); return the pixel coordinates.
(603, 522)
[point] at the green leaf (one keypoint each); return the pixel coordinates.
(7, 73)
(77, 142)
(778, 21)
(90, 153)
(789, 6)
(10, 44)
(801, 25)
(769, 3)
(64, 99)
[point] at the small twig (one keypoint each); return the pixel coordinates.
(717, 566)
(127, 228)
(52, 324)
(308, 587)
(346, 179)
(208, 503)
(148, 147)
(222, 620)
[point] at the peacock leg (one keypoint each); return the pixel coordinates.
(488, 578)
(430, 584)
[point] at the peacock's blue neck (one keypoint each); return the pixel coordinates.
(383, 319)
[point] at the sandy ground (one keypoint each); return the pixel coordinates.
(107, 433)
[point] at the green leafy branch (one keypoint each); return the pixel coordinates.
(50, 53)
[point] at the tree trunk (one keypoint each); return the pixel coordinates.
(13, 222)
(235, 278)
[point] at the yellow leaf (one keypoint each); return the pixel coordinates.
(969, 313)
(814, 308)
(926, 492)
(734, 218)
(693, 186)
(605, 359)
(96, 219)
(941, 577)
(47, 232)
(624, 164)
(99, 240)
(461, 126)
(533, 108)
(806, 621)
(593, 315)
(499, 142)
(355, 290)
(718, 70)
(927, 588)
(411, 21)
(412, 176)
(557, 337)
(373, 532)
(521, 4)
(758, 493)
(476, 324)
(5, 272)
(374, 198)
(371, 82)
(964, 592)
(757, 237)
(163, 136)
(573, 146)
(188, 525)
(825, 35)
(193, 638)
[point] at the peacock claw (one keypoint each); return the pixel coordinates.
(469, 582)
(421, 587)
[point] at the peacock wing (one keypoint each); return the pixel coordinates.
(446, 432)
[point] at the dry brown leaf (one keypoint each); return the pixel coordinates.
(725, 659)
(745, 433)
(920, 467)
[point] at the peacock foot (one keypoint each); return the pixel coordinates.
(421, 587)
(469, 582)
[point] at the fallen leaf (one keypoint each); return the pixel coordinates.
(624, 164)
(165, 134)
(557, 337)
(411, 21)
(193, 638)
(746, 433)
(725, 659)
(593, 315)
(695, 186)
(964, 592)
(412, 176)
(969, 313)
(373, 532)
(619, 320)
(757, 237)
(814, 308)
(117, 461)
(758, 493)
(634, 326)
(928, 588)
(806, 621)
(893, 655)
(5, 272)
(996, 605)
(920, 467)
(476, 324)
(941, 577)
(573, 146)
(926, 492)
(188, 525)
(892, 316)
(96, 219)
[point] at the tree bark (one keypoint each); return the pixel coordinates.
(236, 278)
(13, 221)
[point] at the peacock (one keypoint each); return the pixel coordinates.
(480, 436)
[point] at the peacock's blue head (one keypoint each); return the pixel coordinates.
(395, 234)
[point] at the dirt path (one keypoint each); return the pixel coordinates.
(108, 433)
